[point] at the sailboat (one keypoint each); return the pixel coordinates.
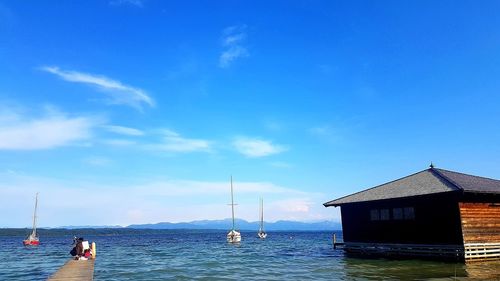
(233, 236)
(32, 239)
(262, 234)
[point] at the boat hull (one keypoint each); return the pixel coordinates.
(31, 242)
(233, 236)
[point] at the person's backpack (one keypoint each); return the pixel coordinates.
(73, 251)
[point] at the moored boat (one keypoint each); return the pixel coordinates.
(33, 239)
(233, 236)
(262, 234)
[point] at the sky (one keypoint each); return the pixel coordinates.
(139, 111)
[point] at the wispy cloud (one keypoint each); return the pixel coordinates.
(119, 142)
(190, 187)
(325, 133)
(252, 147)
(117, 92)
(158, 140)
(137, 3)
(18, 132)
(124, 130)
(174, 142)
(233, 38)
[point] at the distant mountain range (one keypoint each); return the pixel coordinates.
(281, 225)
(243, 225)
(84, 226)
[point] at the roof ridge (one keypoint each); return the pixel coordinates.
(325, 204)
(441, 175)
(429, 181)
(469, 175)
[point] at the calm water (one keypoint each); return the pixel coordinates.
(204, 255)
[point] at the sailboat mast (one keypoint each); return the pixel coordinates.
(261, 214)
(34, 215)
(232, 200)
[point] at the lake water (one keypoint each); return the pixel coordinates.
(205, 255)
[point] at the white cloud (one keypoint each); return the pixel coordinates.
(232, 41)
(124, 130)
(168, 141)
(149, 201)
(174, 142)
(118, 92)
(229, 55)
(119, 142)
(137, 3)
(52, 130)
(251, 147)
(190, 188)
(294, 205)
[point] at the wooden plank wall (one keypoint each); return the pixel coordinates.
(480, 222)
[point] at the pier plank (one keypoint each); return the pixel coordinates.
(75, 270)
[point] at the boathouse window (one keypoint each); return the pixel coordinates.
(374, 215)
(397, 213)
(384, 215)
(409, 213)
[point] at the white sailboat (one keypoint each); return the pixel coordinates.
(262, 234)
(233, 236)
(32, 239)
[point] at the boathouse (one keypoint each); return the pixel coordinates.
(434, 213)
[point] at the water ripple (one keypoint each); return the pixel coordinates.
(198, 255)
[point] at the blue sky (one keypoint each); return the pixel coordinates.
(122, 112)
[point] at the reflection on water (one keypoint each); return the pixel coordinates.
(386, 269)
(188, 255)
(374, 269)
(483, 270)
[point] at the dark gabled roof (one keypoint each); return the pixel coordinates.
(469, 183)
(426, 182)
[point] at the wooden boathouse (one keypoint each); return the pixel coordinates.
(434, 213)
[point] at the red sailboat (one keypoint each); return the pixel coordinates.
(32, 239)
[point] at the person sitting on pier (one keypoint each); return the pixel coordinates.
(86, 255)
(83, 250)
(79, 248)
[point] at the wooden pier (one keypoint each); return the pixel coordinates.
(81, 270)
(335, 242)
